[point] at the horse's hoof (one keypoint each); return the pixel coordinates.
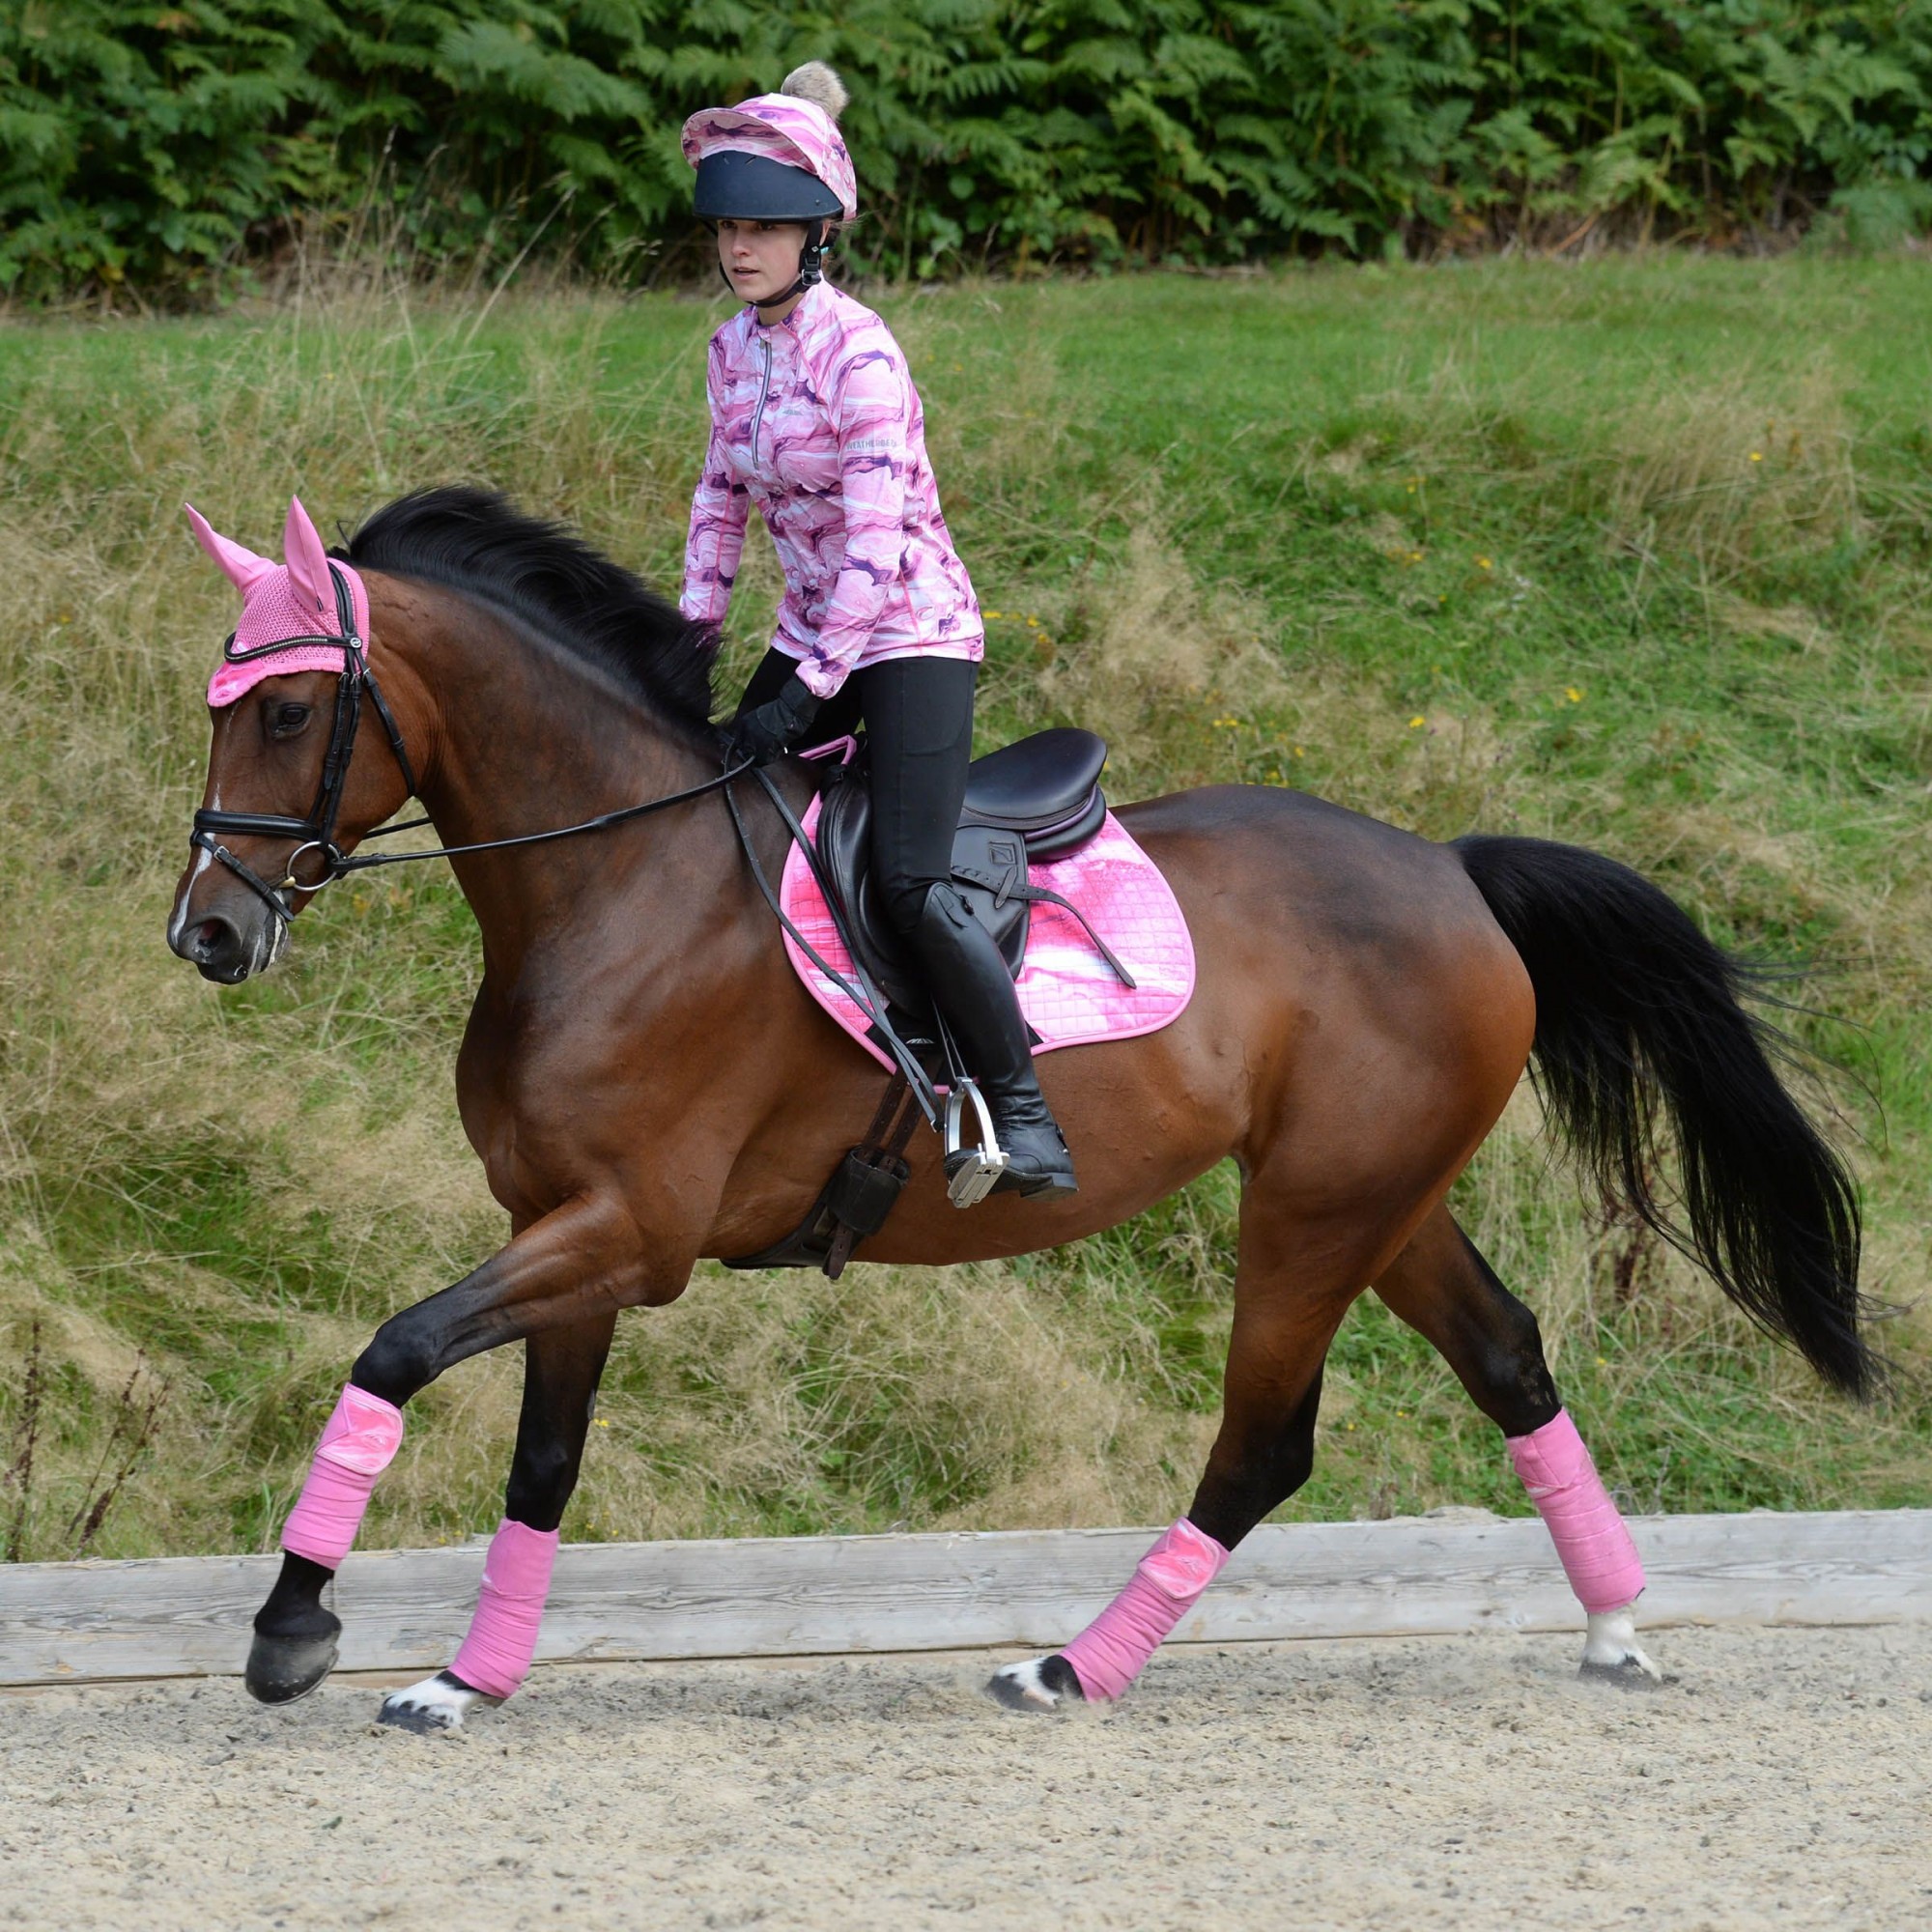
(282, 1668)
(1610, 1654)
(438, 1703)
(1632, 1672)
(1040, 1684)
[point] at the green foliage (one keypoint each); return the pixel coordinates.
(163, 145)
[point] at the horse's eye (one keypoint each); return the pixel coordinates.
(286, 720)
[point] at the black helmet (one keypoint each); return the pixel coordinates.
(733, 187)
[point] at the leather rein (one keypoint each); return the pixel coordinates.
(316, 832)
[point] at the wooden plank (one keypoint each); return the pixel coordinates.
(406, 1608)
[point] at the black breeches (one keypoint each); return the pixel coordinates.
(918, 715)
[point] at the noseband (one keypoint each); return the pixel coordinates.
(317, 832)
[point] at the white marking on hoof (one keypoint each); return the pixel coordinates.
(1610, 1653)
(438, 1703)
(1038, 1684)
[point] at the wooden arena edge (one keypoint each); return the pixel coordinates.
(404, 1610)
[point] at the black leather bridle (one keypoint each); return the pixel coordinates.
(317, 832)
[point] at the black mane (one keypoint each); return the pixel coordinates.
(476, 541)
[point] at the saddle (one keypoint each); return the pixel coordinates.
(1036, 799)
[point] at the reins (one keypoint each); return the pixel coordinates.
(317, 832)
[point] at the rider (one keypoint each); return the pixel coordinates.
(815, 419)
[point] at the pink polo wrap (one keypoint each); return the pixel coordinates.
(359, 1442)
(1110, 1652)
(292, 599)
(502, 1641)
(1592, 1541)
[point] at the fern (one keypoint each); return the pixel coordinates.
(175, 146)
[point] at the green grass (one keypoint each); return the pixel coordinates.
(1636, 554)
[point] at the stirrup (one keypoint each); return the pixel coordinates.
(971, 1173)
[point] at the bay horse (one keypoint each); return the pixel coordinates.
(647, 1083)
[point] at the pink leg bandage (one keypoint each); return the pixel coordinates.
(1108, 1655)
(359, 1442)
(495, 1656)
(1595, 1548)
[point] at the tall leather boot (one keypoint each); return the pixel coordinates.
(975, 995)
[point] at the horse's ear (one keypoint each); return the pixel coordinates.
(239, 564)
(307, 559)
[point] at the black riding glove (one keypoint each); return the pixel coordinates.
(770, 729)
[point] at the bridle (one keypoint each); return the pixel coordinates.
(317, 832)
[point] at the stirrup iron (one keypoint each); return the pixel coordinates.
(971, 1173)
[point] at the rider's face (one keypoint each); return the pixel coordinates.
(761, 258)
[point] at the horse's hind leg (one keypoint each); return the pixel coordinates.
(561, 1370)
(1443, 1287)
(1286, 1308)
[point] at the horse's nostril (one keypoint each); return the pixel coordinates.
(214, 946)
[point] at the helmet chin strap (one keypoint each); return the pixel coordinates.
(810, 272)
(818, 238)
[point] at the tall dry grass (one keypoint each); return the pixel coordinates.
(236, 1186)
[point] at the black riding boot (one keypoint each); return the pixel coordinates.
(974, 992)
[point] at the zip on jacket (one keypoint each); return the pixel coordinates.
(815, 419)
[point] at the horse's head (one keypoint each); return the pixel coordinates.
(284, 789)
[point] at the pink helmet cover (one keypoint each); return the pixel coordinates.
(782, 128)
(293, 599)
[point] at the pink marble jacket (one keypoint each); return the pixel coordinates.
(815, 420)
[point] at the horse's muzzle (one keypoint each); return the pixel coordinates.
(220, 950)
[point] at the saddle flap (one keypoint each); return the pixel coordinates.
(988, 863)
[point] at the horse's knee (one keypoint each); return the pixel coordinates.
(398, 1361)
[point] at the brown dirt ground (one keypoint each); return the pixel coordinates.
(1785, 1779)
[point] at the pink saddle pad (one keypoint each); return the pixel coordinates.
(1068, 992)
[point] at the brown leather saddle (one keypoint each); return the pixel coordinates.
(1036, 799)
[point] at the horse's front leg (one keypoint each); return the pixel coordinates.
(574, 1267)
(561, 1370)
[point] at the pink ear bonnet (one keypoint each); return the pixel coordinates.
(781, 127)
(292, 605)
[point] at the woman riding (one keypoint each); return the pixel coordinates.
(815, 419)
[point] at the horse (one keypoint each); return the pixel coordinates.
(647, 1084)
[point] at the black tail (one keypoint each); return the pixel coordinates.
(1633, 1007)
